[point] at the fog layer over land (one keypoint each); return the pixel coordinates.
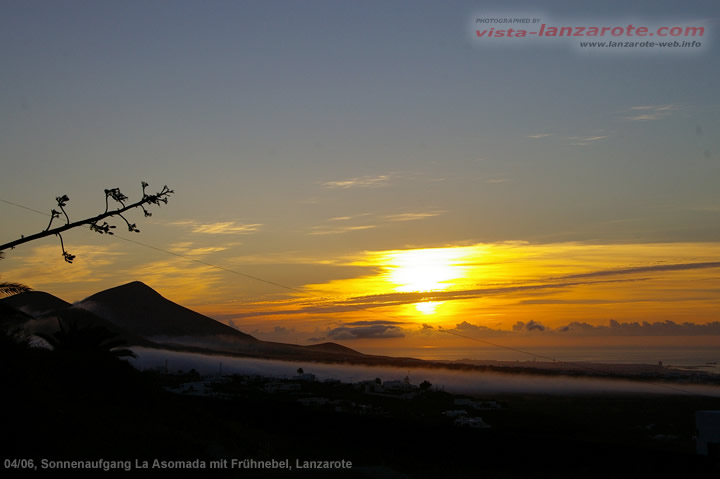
(465, 382)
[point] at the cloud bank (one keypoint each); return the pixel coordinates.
(613, 328)
(374, 331)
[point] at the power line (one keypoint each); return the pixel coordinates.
(24, 207)
(177, 254)
(222, 268)
(195, 260)
(279, 285)
(360, 308)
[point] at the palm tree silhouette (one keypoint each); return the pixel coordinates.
(12, 339)
(9, 289)
(73, 338)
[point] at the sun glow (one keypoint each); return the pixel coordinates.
(424, 269)
(555, 284)
(429, 307)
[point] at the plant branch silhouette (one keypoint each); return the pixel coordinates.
(114, 194)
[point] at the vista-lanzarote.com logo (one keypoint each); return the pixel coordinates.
(514, 29)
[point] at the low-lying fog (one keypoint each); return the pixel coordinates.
(451, 381)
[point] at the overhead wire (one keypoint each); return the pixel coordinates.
(360, 308)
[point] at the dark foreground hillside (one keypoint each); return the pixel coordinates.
(70, 408)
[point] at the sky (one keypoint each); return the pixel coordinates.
(375, 173)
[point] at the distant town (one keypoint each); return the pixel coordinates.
(369, 397)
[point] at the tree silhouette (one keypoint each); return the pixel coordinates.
(13, 341)
(74, 339)
(94, 222)
(9, 289)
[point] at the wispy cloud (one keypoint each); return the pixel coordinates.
(412, 216)
(225, 227)
(334, 229)
(653, 107)
(400, 298)
(645, 116)
(415, 297)
(583, 140)
(348, 218)
(539, 135)
(651, 112)
(186, 248)
(44, 265)
(371, 323)
(644, 269)
(322, 230)
(283, 257)
(359, 182)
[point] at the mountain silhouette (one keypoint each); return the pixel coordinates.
(331, 348)
(12, 318)
(35, 303)
(143, 317)
(39, 312)
(142, 310)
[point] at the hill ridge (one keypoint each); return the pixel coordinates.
(145, 317)
(143, 310)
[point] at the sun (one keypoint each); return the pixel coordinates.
(429, 307)
(424, 269)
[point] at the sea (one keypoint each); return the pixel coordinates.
(703, 358)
